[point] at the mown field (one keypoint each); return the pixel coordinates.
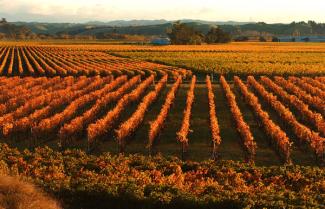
(232, 107)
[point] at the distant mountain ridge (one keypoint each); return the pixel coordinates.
(54, 28)
(99, 29)
(124, 23)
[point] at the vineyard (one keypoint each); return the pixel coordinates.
(160, 114)
(237, 58)
(37, 60)
(81, 180)
(230, 59)
(196, 126)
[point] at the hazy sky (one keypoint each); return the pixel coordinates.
(217, 10)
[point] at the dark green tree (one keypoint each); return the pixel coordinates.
(3, 20)
(180, 33)
(262, 39)
(241, 38)
(217, 35)
(275, 39)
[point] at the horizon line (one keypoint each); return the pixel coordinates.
(183, 19)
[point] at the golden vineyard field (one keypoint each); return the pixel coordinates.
(237, 125)
(235, 59)
(94, 110)
(56, 61)
(238, 58)
(89, 96)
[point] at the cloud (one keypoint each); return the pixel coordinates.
(105, 10)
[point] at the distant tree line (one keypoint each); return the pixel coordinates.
(181, 33)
